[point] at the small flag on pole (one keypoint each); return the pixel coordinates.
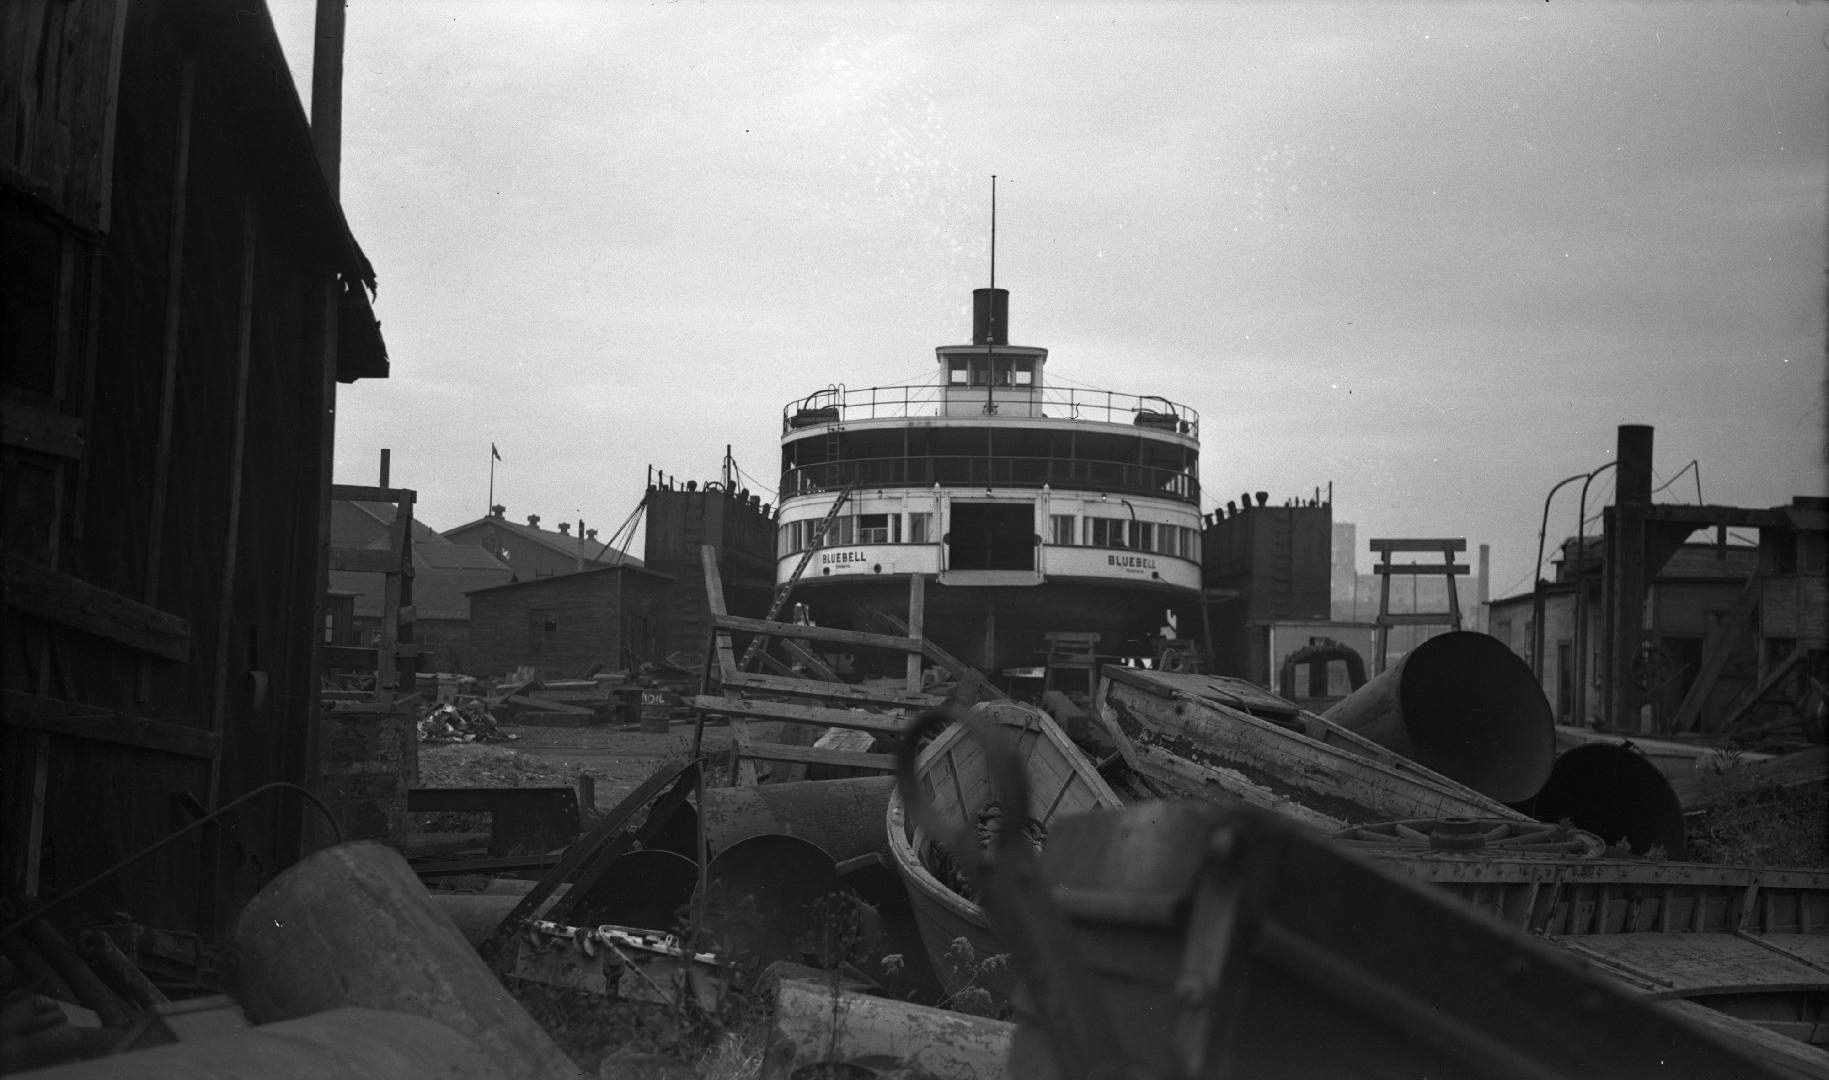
(494, 453)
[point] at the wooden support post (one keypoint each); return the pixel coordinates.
(743, 769)
(225, 619)
(916, 613)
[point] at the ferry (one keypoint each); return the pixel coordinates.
(1028, 508)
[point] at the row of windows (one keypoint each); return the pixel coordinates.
(849, 529)
(1065, 530)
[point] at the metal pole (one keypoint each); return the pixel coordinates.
(1581, 599)
(1537, 599)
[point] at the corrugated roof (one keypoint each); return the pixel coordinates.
(443, 573)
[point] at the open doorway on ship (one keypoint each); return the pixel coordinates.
(991, 536)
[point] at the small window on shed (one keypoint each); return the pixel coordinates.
(542, 629)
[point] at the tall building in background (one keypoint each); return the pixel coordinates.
(1344, 583)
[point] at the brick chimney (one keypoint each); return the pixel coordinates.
(498, 510)
(590, 534)
(533, 521)
(565, 528)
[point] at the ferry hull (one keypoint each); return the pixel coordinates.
(993, 627)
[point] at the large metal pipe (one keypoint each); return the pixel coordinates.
(1616, 793)
(352, 925)
(348, 1044)
(845, 817)
(476, 914)
(1464, 705)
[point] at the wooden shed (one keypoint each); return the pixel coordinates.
(181, 296)
(562, 626)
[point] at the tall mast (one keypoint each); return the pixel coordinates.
(993, 230)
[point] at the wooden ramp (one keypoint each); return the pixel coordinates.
(792, 698)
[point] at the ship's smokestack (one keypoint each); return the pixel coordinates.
(990, 316)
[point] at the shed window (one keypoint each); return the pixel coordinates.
(542, 629)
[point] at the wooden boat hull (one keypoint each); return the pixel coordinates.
(965, 954)
(1215, 739)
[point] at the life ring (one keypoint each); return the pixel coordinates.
(1173, 661)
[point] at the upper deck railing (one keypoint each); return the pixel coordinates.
(839, 405)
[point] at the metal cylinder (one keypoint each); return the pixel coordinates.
(1465, 706)
(845, 817)
(1616, 793)
(349, 1044)
(476, 914)
(352, 925)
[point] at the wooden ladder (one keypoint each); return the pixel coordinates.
(1386, 570)
(827, 703)
(760, 641)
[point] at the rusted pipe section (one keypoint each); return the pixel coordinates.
(1616, 793)
(349, 1044)
(1465, 706)
(845, 817)
(352, 925)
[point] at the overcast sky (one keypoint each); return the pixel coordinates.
(1431, 254)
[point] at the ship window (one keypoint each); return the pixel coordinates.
(1143, 535)
(955, 370)
(1060, 529)
(878, 529)
(1025, 372)
(842, 532)
(1105, 532)
(920, 528)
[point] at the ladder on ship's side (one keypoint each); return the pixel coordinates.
(760, 642)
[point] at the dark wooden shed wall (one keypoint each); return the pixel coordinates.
(236, 556)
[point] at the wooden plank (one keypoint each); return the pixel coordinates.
(364, 560)
(225, 617)
(917, 604)
(857, 695)
(174, 308)
(811, 659)
(815, 633)
(1390, 545)
(1224, 747)
(359, 493)
(1422, 568)
(546, 705)
(72, 602)
(817, 755)
(28, 426)
(1433, 618)
(1715, 651)
(791, 712)
(76, 721)
(743, 771)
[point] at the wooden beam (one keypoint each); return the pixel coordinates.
(364, 560)
(1422, 568)
(816, 633)
(77, 721)
(359, 493)
(743, 770)
(819, 755)
(953, 666)
(72, 602)
(174, 310)
(28, 426)
(810, 659)
(1453, 544)
(756, 708)
(857, 695)
(917, 604)
(1719, 646)
(225, 619)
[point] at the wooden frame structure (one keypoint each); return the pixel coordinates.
(726, 690)
(1386, 569)
(395, 656)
